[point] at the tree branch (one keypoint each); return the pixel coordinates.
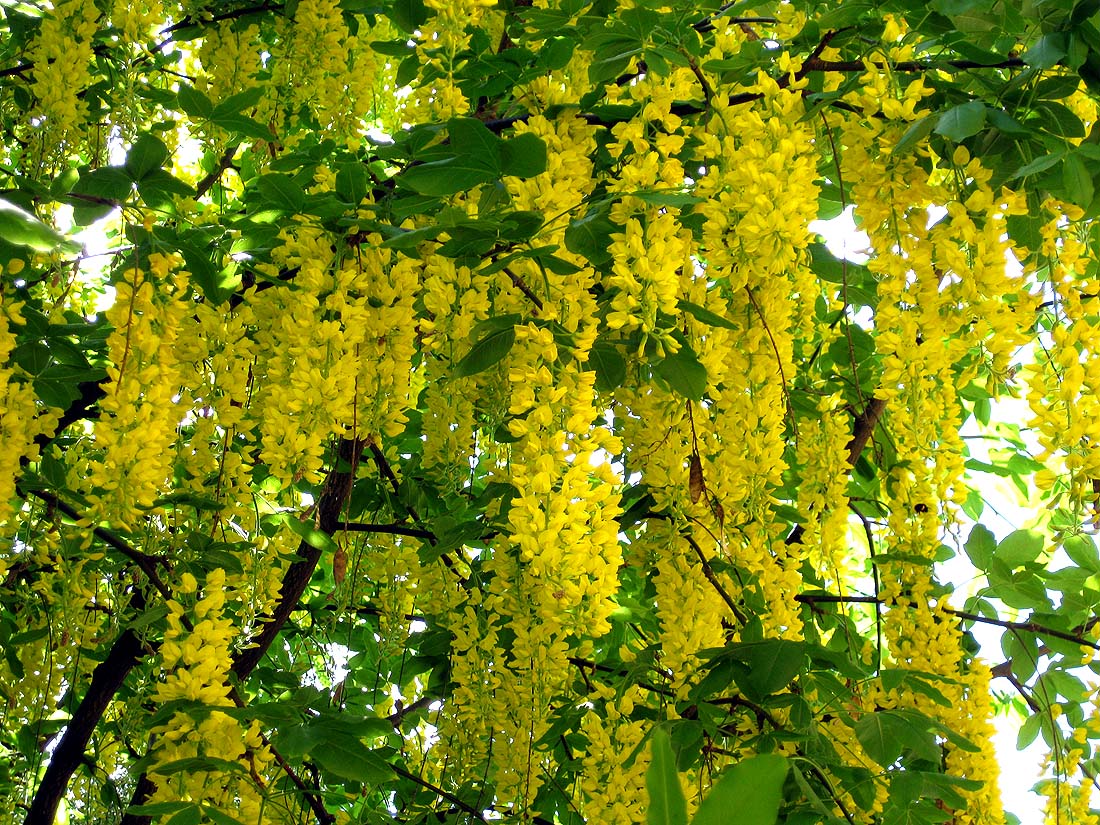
(1025, 627)
(708, 571)
(107, 678)
(224, 162)
(146, 563)
(336, 490)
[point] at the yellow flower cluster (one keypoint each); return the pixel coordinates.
(691, 610)
(822, 453)
(1064, 382)
(335, 347)
(132, 459)
(21, 418)
(983, 805)
(62, 54)
(230, 60)
(443, 37)
(614, 784)
(197, 664)
(137, 20)
(932, 283)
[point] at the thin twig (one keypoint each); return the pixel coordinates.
(146, 563)
(521, 285)
(388, 529)
(708, 571)
(778, 361)
(450, 797)
(224, 162)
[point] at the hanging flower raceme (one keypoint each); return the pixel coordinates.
(131, 452)
(196, 662)
(62, 57)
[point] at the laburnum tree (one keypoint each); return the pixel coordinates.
(445, 411)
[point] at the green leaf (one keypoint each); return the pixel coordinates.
(1082, 551)
(158, 808)
(917, 132)
(1039, 164)
(149, 616)
(449, 176)
(306, 531)
(410, 15)
(220, 817)
(523, 156)
(772, 664)
(486, 352)
(348, 757)
(21, 228)
(1057, 119)
(667, 805)
(147, 154)
(1029, 730)
(753, 788)
(1049, 49)
(238, 103)
(683, 372)
(352, 182)
(1020, 547)
(980, 546)
(237, 124)
(194, 103)
(191, 815)
(962, 121)
(609, 366)
(470, 136)
(1077, 181)
(282, 192)
(885, 734)
(703, 314)
(873, 731)
(590, 236)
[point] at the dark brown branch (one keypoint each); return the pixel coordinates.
(311, 796)
(146, 563)
(864, 427)
(388, 529)
(465, 807)
(816, 64)
(398, 716)
(521, 285)
(708, 571)
(84, 407)
(335, 493)
(18, 70)
(1025, 627)
(107, 678)
(96, 199)
(224, 162)
(189, 22)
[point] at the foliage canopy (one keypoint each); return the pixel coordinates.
(463, 422)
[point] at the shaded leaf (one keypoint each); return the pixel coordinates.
(21, 228)
(683, 372)
(753, 788)
(487, 352)
(523, 156)
(962, 121)
(281, 192)
(147, 153)
(667, 805)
